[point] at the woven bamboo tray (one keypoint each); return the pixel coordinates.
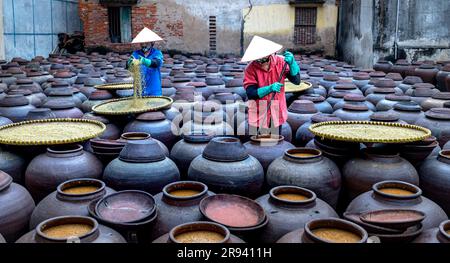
(50, 131)
(125, 106)
(366, 131)
(290, 87)
(115, 86)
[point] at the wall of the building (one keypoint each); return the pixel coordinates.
(184, 24)
(2, 37)
(368, 27)
(31, 26)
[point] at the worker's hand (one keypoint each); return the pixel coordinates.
(276, 87)
(145, 61)
(130, 61)
(289, 57)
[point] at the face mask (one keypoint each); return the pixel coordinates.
(147, 48)
(263, 60)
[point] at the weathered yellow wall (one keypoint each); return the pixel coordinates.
(276, 22)
(2, 37)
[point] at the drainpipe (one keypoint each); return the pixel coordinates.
(396, 31)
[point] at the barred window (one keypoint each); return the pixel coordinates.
(305, 25)
(119, 24)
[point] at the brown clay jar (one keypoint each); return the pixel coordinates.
(439, 234)
(438, 121)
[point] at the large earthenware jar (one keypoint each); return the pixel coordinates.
(70, 198)
(398, 195)
(355, 99)
(112, 131)
(417, 152)
(16, 206)
(353, 112)
(390, 100)
(409, 112)
(308, 168)
(266, 148)
(226, 167)
(441, 76)
(375, 165)
(299, 112)
(202, 232)
(131, 171)
(95, 97)
(303, 135)
(329, 80)
(155, 124)
(177, 204)
(438, 121)
(315, 231)
(380, 94)
(319, 102)
(90, 231)
(336, 97)
(40, 114)
(436, 101)
(383, 65)
(408, 82)
(361, 79)
(435, 235)
(13, 164)
(339, 152)
(15, 107)
(348, 88)
(427, 72)
(435, 181)
(63, 108)
(184, 151)
(289, 208)
(59, 164)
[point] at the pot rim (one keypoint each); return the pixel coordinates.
(443, 228)
(336, 223)
(316, 153)
(181, 185)
(75, 219)
(129, 136)
(417, 192)
(271, 138)
(80, 182)
(199, 225)
(74, 149)
(292, 189)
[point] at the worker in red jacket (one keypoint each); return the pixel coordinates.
(262, 83)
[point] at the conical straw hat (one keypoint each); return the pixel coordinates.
(146, 35)
(260, 47)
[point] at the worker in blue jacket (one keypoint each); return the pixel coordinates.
(151, 61)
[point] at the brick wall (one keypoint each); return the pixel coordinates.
(96, 27)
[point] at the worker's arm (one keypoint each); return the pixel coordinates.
(254, 93)
(154, 62)
(294, 69)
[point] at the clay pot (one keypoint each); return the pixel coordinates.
(175, 210)
(4, 121)
(288, 215)
(408, 82)
(401, 67)
(303, 135)
(383, 65)
(319, 102)
(435, 235)
(62, 108)
(441, 76)
(434, 179)
(59, 164)
(338, 152)
(237, 86)
(226, 167)
(422, 86)
(171, 237)
(98, 234)
(361, 79)
(112, 132)
(390, 100)
(380, 94)
(299, 112)
(130, 170)
(352, 112)
(436, 101)
(306, 234)
(373, 166)
(16, 206)
(438, 121)
(155, 124)
(62, 203)
(318, 173)
(348, 88)
(133, 136)
(15, 107)
(354, 99)
(417, 152)
(266, 148)
(427, 72)
(40, 114)
(184, 151)
(13, 164)
(409, 112)
(378, 200)
(96, 97)
(336, 97)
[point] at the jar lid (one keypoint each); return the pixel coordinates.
(61, 92)
(427, 66)
(313, 97)
(59, 104)
(384, 90)
(203, 137)
(321, 117)
(23, 91)
(361, 76)
(95, 117)
(315, 74)
(355, 107)
(302, 107)
(331, 77)
(338, 94)
(394, 97)
(385, 117)
(345, 86)
(439, 113)
(59, 84)
(151, 116)
(100, 95)
(411, 80)
(238, 82)
(377, 74)
(225, 149)
(214, 81)
(180, 79)
(423, 92)
(442, 96)
(386, 83)
(354, 97)
(394, 76)
(14, 100)
(407, 106)
(24, 81)
(142, 151)
(197, 84)
(5, 180)
(423, 86)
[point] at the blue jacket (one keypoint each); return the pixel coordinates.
(151, 75)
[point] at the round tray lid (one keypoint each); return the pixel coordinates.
(115, 86)
(366, 131)
(50, 131)
(290, 87)
(126, 106)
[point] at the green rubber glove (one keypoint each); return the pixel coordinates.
(145, 61)
(264, 91)
(129, 61)
(293, 66)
